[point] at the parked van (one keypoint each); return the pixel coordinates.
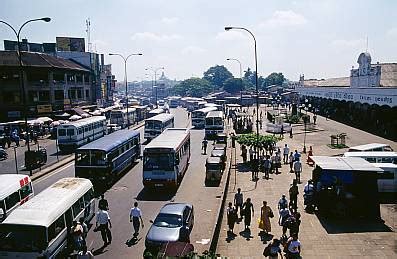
(370, 147)
(375, 156)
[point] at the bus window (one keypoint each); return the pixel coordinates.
(56, 228)
(12, 200)
(25, 191)
(371, 159)
(22, 238)
(2, 210)
(70, 132)
(62, 132)
(78, 206)
(158, 161)
(83, 158)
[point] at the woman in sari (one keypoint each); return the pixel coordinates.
(266, 214)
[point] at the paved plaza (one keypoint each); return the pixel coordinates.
(320, 237)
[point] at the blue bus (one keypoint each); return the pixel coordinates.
(102, 160)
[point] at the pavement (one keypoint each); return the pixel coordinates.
(320, 238)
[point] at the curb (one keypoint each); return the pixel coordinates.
(64, 161)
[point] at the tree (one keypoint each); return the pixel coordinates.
(249, 76)
(233, 85)
(195, 87)
(274, 79)
(266, 142)
(217, 75)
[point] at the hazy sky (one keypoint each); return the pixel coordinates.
(321, 39)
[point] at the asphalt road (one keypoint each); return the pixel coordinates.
(130, 189)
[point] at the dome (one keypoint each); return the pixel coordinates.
(364, 57)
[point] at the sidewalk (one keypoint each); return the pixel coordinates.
(319, 239)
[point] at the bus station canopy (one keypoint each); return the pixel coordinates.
(344, 164)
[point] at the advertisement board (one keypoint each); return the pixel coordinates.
(70, 44)
(44, 108)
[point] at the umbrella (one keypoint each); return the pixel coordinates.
(96, 112)
(45, 119)
(75, 118)
(85, 115)
(63, 121)
(35, 122)
(63, 115)
(55, 123)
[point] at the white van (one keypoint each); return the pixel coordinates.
(371, 147)
(387, 180)
(375, 156)
(15, 189)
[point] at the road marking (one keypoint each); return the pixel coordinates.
(53, 173)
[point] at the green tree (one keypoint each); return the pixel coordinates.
(249, 76)
(233, 85)
(262, 141)
(274, 79)
(195, 87)
(217, 75)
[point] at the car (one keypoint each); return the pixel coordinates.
(173, 223)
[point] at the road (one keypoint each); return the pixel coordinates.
(130, 188)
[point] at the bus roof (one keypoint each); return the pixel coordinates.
(44, 208)
(205, 110)
(368, 147)
(215, 114)
(344, 163)
(170, 138)
(108, 142)
(385, 165)
(123, 110)
(158, 110)
(371, 154)
(9, 183)
(83, 122)
(163, 117)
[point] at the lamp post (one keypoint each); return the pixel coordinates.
(306, 106)
(21, 71)
(256, 84)
(241, 79)
(154, 70)
(125, 78)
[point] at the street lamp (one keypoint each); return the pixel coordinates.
(256, 83)
(21, 71)
(241, 79)
(125, 78)
(154, 70)
(306, 106)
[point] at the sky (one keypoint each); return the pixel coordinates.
(321, 39)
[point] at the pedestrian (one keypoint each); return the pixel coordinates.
(293, 196)
(85, 254)
(84, 226)
(298, 170)
(238, 201)
(135, 217)
(273, 249)
(267, 164)
(293, 247)
(77, 234)
(278, 162)
(251, 152)
(297, 155)
(285, 153)
(248, 207)
(231, 217)
(103, 203)
(103, 224)
(295, 226)
(309, 160)
(290, 133)
(291, 161)
(233, 137)
(314, 119)
(244, 153)
(266, 214)
(282, 131)
(283, 215)
(282, 203)
(204, 146)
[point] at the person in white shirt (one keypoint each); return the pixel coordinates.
(298, 170)
(135, 216)
(285, 153)
(84, 254)
(103, 224)
(293, 247)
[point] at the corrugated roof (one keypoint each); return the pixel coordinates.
(35, 59)
(330, 82)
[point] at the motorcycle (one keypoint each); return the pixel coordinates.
(3, 154)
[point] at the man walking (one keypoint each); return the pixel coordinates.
(267, 165)
(103, 203)
(103, 224)
(298, 170)
(293, 196)
(135, 217)
(204, 146)
(238, 201)
(285, 153)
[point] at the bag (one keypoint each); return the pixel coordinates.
(261, 225)
(266, 252)
(271, 215)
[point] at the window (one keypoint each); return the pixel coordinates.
(85, 129)
(61, 132)
(88, 196)
(12, 200)
(87, 93)
(70, 132)
(56, 228)
(58, 94)
(77, 207)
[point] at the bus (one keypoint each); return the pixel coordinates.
(166, 158)
(41, 227)
(174, 101)
(387, 180)
(155, 112)
(122, 118)
(214, 124)
(375, 156)
(15, 189)
(102, 160)
(198, 117)
(370, 147)
(157, 124)
(217, 106)
(75, 134)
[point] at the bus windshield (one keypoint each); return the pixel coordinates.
(217, 121)
(156, 125)
(158, 161)
(22, 238)
(90, 157)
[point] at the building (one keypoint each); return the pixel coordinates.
(367, 99)
(51, 84)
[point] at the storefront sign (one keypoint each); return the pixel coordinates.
(46, 108)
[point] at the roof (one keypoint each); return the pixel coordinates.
(371, 154)
(44, 208)
(388, 76)
(35, 59)
(215, 114)
(161, 117)
(330, 82)
(158, 110)
(174, 208)
(213, 160)
(205, 110)
(108, 142)
(9, 183)
(83, 122)
(169, 138)
(368, 146)
(344, 163)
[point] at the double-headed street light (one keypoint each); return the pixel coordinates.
(256, 81)
(241, 79)
(125, 78)
(21, 79)
(154, 70)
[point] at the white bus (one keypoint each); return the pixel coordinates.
(75, 134)
(370, 147)
(15, 189)
(198, 117)
(214, 124)
(155, 112)
(375, 156)
(387, 180)
(41, 227)
(217, 106)
(166, 158)
(122, 118)
(157, 124)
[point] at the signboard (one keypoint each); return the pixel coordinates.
(70, 44)
(45, 108)
(66, 104)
